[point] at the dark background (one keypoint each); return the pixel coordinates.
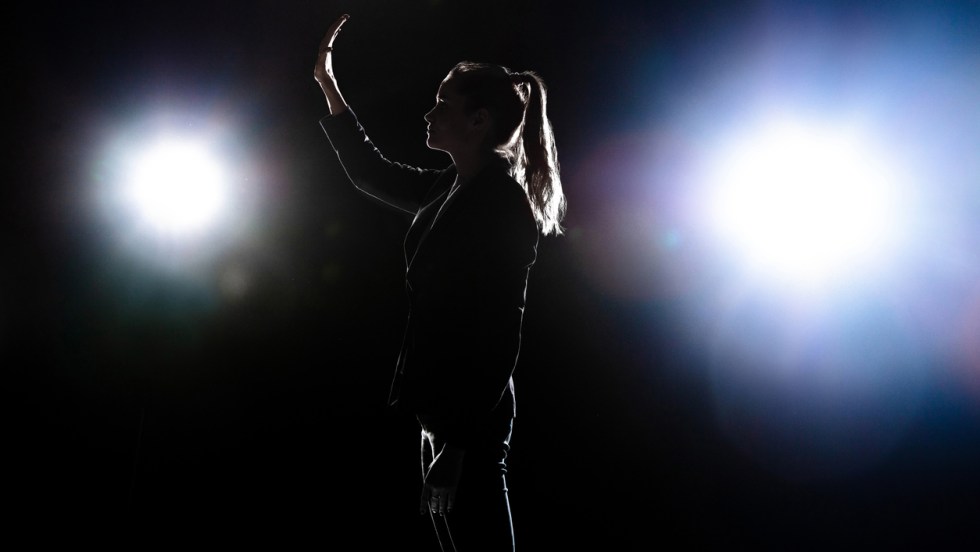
(147, 408)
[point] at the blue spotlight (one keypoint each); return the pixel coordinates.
(804, 202)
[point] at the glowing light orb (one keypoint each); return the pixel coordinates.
(804, 202)
(177, 187)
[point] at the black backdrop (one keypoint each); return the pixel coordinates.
(146, 408)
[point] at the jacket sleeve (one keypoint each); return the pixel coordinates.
(400, 186)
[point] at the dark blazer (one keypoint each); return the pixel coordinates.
(468, 253)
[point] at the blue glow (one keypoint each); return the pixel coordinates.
(824, 339)
(804, 201)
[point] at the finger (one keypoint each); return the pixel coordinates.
(335, 26)
(450, 502)
(332, 32)
(339, 24)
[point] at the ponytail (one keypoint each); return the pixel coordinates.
(536, 157)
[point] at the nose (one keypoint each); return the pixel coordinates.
(428, 116)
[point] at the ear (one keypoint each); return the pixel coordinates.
(480, 119)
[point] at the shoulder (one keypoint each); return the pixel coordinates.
(496, 186)
(505, 217)
(501, 200)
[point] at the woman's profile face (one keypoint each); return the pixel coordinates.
(447, 120)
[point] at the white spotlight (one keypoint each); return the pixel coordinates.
(804, 202)
(177, 187)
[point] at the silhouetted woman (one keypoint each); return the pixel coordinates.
(468, 252)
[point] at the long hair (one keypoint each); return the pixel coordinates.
(517, 102)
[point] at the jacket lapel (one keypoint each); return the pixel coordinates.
(435, 210)
(424, 221)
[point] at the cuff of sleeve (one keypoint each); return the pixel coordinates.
(345, 118)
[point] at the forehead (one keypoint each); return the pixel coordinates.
(447, 87)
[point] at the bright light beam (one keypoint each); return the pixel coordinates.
(804, 203)
(176, 187)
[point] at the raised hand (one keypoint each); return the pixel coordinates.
(323, 72)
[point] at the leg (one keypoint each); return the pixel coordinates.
(481, 520)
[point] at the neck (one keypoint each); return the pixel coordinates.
(469, 164)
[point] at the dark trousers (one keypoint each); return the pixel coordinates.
(480, 520)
